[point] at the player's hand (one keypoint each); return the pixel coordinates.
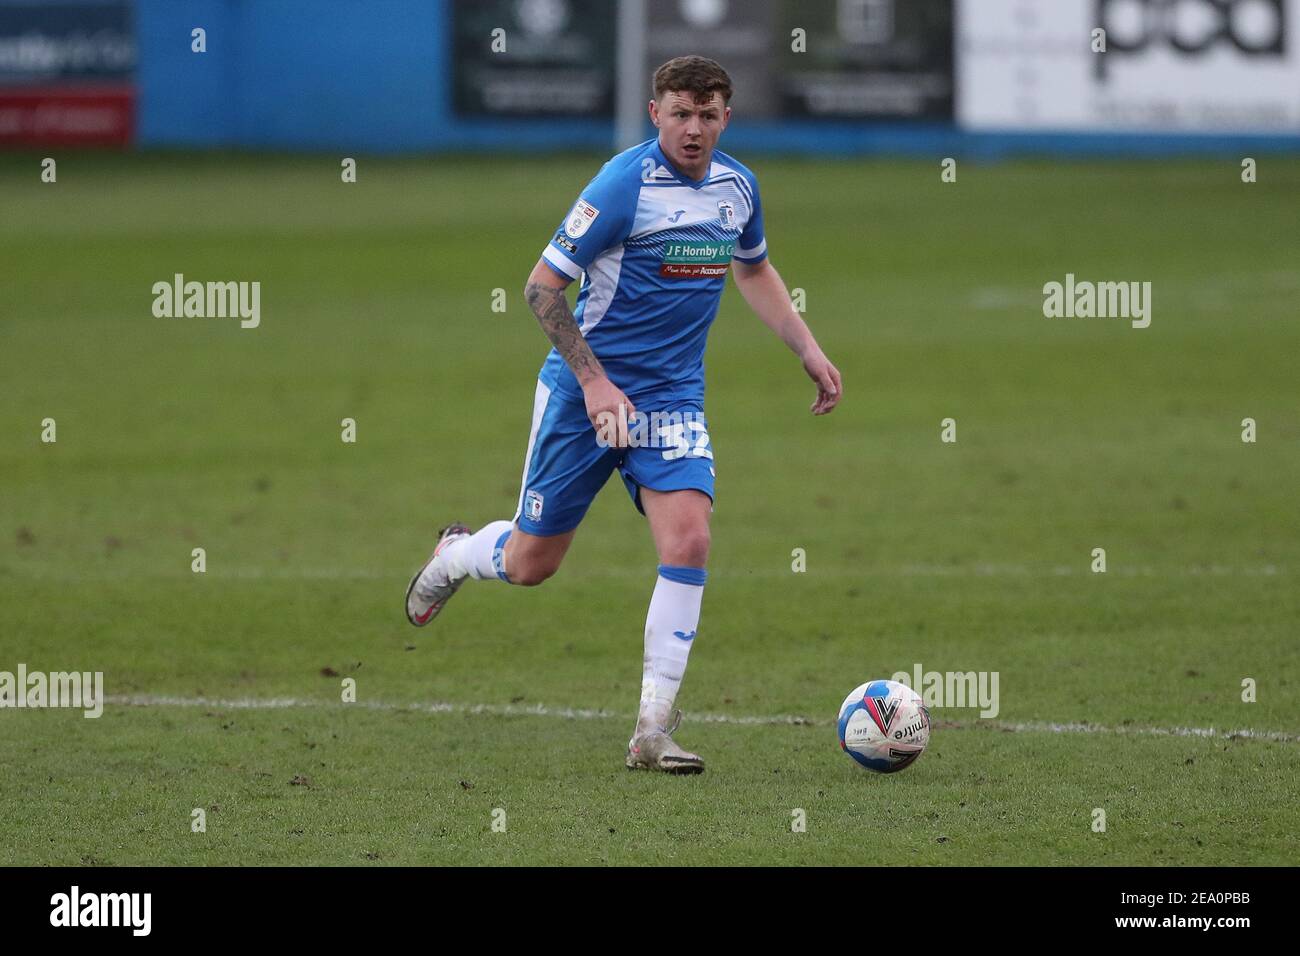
(827, 378)
(609, 411)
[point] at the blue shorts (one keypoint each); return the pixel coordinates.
(566, 464)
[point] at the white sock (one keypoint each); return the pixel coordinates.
(669, 633)
(481, 555)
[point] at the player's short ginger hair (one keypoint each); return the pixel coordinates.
(697, 75)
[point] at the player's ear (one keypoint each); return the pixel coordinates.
(726, 116)
(654, 113)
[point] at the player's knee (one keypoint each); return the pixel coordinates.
(690, 548)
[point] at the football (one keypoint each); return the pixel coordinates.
(884, 726)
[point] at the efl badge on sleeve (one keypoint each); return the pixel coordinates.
(727, 215)
(580, 220)
(533, 506)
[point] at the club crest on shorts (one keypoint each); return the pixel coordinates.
(727, 214)
(533, 506)
(580, 219)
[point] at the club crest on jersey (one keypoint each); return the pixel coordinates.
(580, 220)
(533, 506)
(727, 214)
(882, 711)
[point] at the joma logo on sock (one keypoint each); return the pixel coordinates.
(209, 300)
(1104, 300)
(56, 689)
(103, 909)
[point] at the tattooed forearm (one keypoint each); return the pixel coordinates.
(552, 310)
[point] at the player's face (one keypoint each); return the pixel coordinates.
(688, 130)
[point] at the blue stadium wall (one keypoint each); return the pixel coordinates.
(324, 74)
(370, 77)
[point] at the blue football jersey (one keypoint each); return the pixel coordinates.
(652, 248)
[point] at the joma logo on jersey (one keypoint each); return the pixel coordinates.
(695, 259)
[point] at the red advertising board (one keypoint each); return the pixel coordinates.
(67, 115)
(67, 70)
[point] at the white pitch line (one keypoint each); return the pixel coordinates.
(1038, 726)
(572, 713)
(979, 570)
(436, 707)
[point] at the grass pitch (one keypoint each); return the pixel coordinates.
(1072, 434)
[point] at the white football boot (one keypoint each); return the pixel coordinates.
(655, 749)
(432, 586)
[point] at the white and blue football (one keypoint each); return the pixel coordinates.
(884, 726)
